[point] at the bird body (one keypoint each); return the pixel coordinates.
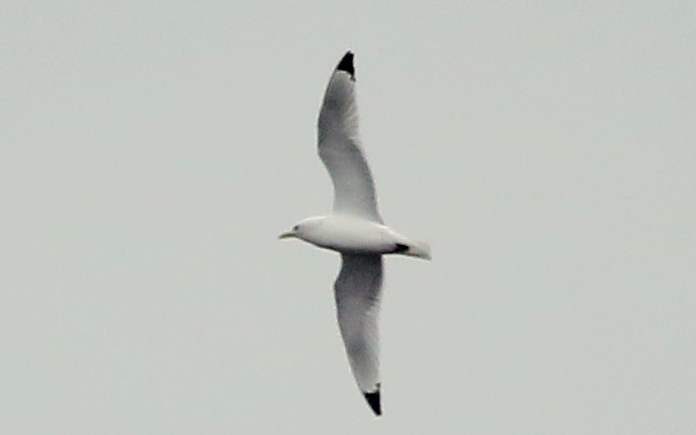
(351, 235)
(355, 229)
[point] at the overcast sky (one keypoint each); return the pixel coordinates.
(153, 151)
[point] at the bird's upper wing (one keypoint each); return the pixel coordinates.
(340, 149)
(357, 290)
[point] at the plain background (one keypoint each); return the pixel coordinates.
(153, 151)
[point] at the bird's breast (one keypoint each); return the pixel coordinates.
(349, 235)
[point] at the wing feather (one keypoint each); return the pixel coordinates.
(357, 291)
(340, 148)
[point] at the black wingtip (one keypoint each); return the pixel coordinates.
(374, 402)
(346, 64)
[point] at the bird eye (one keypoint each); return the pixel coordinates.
(296, 227)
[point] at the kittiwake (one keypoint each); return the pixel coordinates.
(355, 229)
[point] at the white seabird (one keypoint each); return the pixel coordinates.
(355, 229)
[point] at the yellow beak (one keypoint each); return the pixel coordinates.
(287, 235)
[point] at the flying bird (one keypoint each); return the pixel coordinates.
(355, 229)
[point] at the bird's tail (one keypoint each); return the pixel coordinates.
(419, 250)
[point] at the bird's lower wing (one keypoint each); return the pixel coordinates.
(358, 288)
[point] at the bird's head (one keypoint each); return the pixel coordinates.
(302, 229)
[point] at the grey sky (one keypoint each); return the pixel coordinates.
(152, 152)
